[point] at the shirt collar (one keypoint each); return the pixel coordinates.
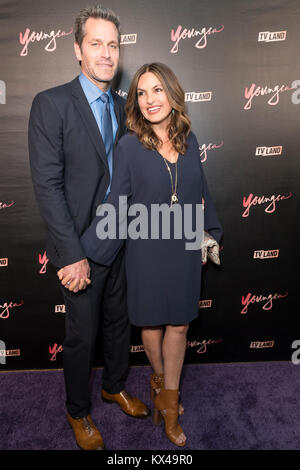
(91, 91)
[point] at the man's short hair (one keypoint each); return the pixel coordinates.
(98, 12)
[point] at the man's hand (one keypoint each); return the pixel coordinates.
(75, 277)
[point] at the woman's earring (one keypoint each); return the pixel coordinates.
(173, 110)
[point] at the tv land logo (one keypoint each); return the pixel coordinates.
(137, 348)
(265, 300)
(201, 36)
(4, 353)
(271, 36)
(54, 350)
(50, 38)
(2, 92)
(205, 303)
(128, 39)
(206, 148)
(3, 262)
(6, 307)
(251, 200)
(60, 308)
(122, 93)
(196, 97)
(6, 205)
(261, 344)
(268, 151)
(256, 90)
(202, 345)
(265, 254)
(43, 260)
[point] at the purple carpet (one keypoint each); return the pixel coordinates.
(227, 406)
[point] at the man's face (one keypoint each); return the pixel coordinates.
(99, 52)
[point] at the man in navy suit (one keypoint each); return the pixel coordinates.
(73, 130)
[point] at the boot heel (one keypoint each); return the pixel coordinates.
(156, 417)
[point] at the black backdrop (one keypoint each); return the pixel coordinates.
(238, 62)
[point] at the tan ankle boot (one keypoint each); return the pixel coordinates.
(166, 406)
(157, 382)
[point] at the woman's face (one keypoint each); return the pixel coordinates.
(152, 99)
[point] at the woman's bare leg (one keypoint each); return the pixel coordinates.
(152, 341)
(173, 350)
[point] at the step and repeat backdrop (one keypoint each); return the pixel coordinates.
(239, 64)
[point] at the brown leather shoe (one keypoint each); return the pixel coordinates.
(132, 406)
(86, 434)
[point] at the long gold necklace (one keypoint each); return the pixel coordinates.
(174, 197)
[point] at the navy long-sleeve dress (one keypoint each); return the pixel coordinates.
(163, 277)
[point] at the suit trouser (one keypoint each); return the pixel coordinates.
(106, 297)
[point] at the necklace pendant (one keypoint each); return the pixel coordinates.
(174, 198)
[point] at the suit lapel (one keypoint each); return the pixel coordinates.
(88, 119)
(118, 116)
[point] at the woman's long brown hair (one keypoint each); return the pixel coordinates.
(180, 124)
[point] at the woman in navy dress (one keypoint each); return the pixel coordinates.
(158, 163)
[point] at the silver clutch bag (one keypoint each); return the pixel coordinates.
(210, 249)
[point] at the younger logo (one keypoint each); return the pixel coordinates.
(205, 148)
(179, 34)
(53, 350)
(252, 200)
(2, 92)
(255, 90)
(28, 37)
(5, 308)
(267, 301)
(202, 345)
(5, 205)
(43, 260)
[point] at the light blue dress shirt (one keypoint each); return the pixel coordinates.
(92, 93)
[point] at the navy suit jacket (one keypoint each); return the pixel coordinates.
(68, 166)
